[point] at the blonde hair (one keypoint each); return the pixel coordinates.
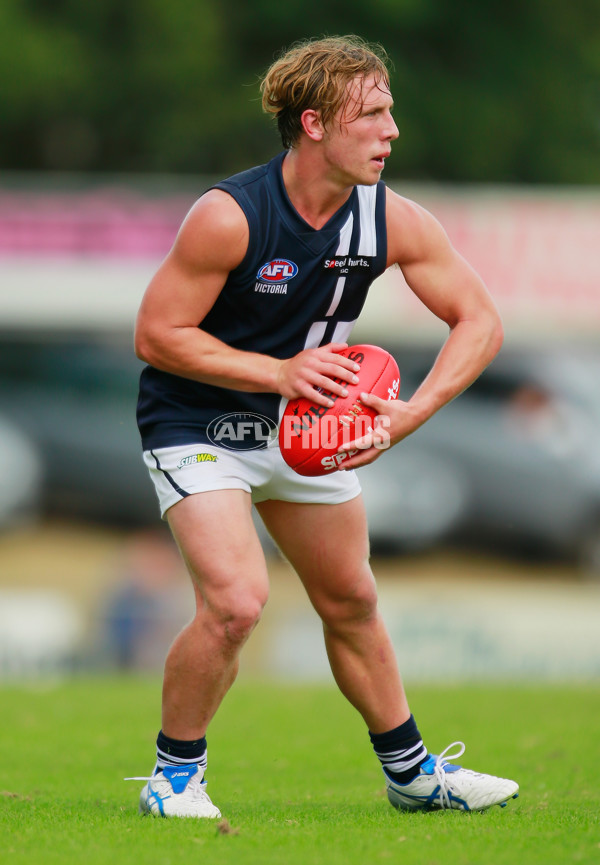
(315, 74)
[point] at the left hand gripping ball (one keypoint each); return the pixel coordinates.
(310, 434)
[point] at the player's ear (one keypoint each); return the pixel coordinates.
(312, 124)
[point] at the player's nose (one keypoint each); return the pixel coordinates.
(391, 129)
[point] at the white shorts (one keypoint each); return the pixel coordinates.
(183, 470)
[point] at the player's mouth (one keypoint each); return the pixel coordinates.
(380, 160)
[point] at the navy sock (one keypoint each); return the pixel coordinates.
(177, 752)
(401, 751)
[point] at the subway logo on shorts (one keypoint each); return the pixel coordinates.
(196, 458)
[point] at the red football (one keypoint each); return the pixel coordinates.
(310, 434)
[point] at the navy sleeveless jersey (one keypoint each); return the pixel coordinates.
(296, 288)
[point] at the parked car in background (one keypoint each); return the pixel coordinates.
(21, 473)
(516, 458)
(513, 464)
(75, 399)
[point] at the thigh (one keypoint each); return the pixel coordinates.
(328, 547)
(218, 541)
(286, 485)
(184, 470)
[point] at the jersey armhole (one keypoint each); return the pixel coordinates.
(382, 234)
(249, 211)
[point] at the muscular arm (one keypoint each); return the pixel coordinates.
(212, 241)
(451, 289)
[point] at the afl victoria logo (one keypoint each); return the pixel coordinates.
(277, 270)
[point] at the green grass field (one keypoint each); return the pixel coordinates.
(292, 770)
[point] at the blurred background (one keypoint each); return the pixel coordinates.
(485, 525)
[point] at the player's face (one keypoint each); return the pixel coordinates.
(358, 141)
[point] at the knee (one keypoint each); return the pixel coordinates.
(234, 618)
(357, 607)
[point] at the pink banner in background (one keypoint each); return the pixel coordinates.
(538, 252)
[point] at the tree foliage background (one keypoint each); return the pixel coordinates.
(485, 91)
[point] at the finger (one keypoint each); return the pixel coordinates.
(361, 443)
(316, 397)
(320, 390)
(378, 437)
(329, 385)
(338, 362)
(335, 346)
(374, 401)
(334, 371)
(361, 458)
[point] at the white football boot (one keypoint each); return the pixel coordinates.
(176, 791)
(440, 785)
